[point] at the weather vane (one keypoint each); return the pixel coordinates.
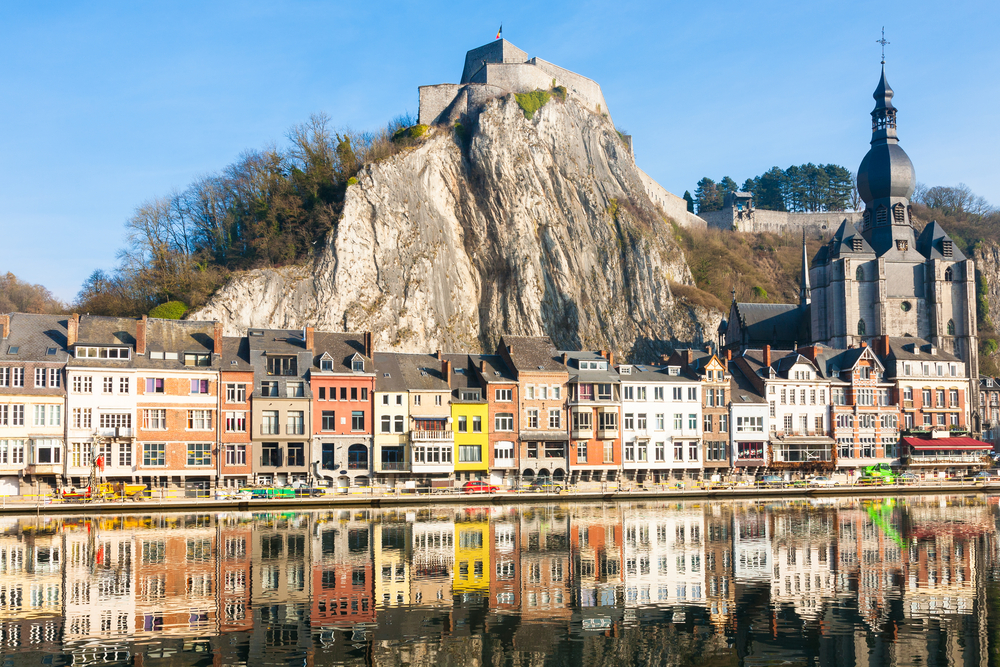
(883, 43)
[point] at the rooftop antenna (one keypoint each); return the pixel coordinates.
(883, 42)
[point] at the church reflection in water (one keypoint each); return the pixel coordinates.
(846, 581)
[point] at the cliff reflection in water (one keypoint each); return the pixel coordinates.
(846, 581)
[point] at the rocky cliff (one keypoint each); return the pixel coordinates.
(531, 227)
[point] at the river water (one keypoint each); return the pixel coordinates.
(908, 581)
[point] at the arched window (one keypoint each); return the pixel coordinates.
(357, 457)
(949, 275)
(859, 275)
(951, 327)
(861, 328)
(898, 213)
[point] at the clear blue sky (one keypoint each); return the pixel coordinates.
(107, 104)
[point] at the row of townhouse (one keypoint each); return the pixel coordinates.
(177, 403)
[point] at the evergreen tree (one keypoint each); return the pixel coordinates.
(690, 201)
(726, 185)
(768, 190)
(749, 185)
(708, 196)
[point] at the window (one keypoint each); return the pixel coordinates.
(859, 275)
(295, 422)
(295, 389)
(504, 421)
(83, 384)
(660, 421)
(343, 394)
(236, 455)
(329, 421)
(398, 423)
(236, 393)
(199, 386)
(437, 400)
(926, 396)
(81, 417)
(296, 454)
(269, 389)
(357, 420)
(678, 451)
(640, 421)
(477, 424)
(951, 327)
(771, 409)
(629, 424)
(199, 454)
(269, 422)
(581, 450)
(659, 451)
(530, 391)
(692, 422)
(861, 328)
(504, 451)
(609, 451)
(39, 377)
(116, 420)
(154, 419)
(470, 453)
(630, 451)
(555, 419)
(54, 415)
(463, 424)
(102, 353)
(281, 365)
(504, 395)
(195, 359)
(416, 399)
(153, 454)
(657, 393)
(678, 393)
(819, 424)
(200, 420)
(723, 423)
(236, 422)
(629, 393)
(153, 386)
(125, 454)
(692, 393)
(788, 423)
(354, 393)
(678, 422)
(953, 398)
(607, 421)
(604, 392)
(385, 421)
(358, 365)
(47, 451)
(707, 423)
(532, 450)
(533, 419)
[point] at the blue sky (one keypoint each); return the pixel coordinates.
(108, 104)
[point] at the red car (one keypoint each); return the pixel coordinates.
(478, 486)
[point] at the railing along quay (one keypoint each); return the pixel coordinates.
(175, 500)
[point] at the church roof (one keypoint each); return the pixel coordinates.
(843, 242)
(931, 243)
(776, 324)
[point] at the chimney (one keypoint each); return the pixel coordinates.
(611, 358)
(368, 344)
(310, 338)
(4, 326)
(767, 355)
(708, 348)
(811, 351)
(864, 344)
(565, 357)
(727, 359)
(72, 330)
(482, 366)
(439, 355)
(604, 353)
(446, 370)
(217, 339)
(140, 335)
(885, 346)
(688, 357)
(729, 355)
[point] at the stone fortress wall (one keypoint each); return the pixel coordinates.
(823, 223)
(675, 207)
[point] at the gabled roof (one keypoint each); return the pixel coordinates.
(101, 330)
(843, 239)
(775, 324)
(236, 349)
(276, 341)
(832, 362)
(341, 348)
(463, 375)
(533, 354)
(34, 335)
(180, 335)
(577, 374)
(742, 390)
(408, 372)
(494, 369)
(930, 244)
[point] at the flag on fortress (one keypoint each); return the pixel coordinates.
(499, 32)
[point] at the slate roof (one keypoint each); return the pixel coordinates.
(408, 372)
(100, 330)
(342, 347)
(177, 336)
(533, 354)
(775, 324)
(930, 243)
(742, 389)
(648, 373)
(34, 335)
(842, 242)
(577, 375)
(494, 368)
(236, 349)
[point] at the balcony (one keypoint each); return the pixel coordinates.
(424, 436)
(582, 433)
(945, 459)
(607, 433)
(393, 466)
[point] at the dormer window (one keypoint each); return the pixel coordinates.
(856, 244)
(469, 394)
(278, 365)
(193, 359)
(358, 364)
(673, 370)
(625, 370)
(593, 365)
(326, 364)
(947, 247)
(102, 353)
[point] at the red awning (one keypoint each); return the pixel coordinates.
(947, 443)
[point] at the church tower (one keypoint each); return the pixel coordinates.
(880, 277)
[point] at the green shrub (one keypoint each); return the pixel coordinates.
(171, 310)
(352, 181)
(559, 91)
(411, 132)
(759, 292)
(461, 132)
(989, 346)
(532, 102)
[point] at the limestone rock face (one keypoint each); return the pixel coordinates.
(527, 227)
(987, 258)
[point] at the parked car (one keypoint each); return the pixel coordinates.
(770, 481)
(544, 485)
(822, 480)
(986, 476)
(479, 486)
(907, 478)
(872, 480)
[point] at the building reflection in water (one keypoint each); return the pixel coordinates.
(852, 581)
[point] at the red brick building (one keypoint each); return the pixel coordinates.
(234, 463)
